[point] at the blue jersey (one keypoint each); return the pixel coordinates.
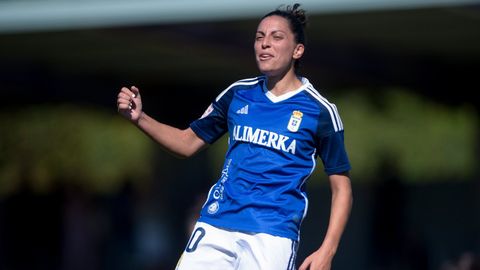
(273, 146)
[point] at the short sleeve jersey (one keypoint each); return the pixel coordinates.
(273, 146)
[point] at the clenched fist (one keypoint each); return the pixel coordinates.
(129, 103)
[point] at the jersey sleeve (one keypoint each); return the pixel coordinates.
(333, 154)
(331, 146)
(213, 123)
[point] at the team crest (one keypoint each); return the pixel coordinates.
(213, 208)
(295, 121)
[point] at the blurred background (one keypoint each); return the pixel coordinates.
(81, 188)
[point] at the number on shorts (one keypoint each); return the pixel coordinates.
(197, 235)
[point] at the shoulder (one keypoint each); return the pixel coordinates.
(241, 84)
(328, 110)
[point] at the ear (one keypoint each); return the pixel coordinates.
(298, 51)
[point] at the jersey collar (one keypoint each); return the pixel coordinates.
(287, 95)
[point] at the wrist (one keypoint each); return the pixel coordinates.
(137, 121)
(328, 249)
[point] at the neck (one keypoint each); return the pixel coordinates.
(279, 85)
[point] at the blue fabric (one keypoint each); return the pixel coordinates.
(273, 145)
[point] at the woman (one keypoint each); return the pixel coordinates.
(278, 124)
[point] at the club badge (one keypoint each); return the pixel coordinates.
(213, 208)
(295, 121)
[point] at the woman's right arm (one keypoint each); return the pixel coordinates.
(181, 143)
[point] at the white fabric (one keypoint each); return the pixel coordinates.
(211, 248)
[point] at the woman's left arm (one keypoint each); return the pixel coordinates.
(342, 200)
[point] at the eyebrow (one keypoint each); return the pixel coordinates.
(273, 32)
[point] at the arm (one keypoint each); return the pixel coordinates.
(322, 258)
(181, 143)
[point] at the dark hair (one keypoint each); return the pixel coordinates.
(297, 20)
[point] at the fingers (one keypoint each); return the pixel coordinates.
(132, 92)
(125, 98)
(135, 91)
(305, 265)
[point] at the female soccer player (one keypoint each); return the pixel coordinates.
(278, 125)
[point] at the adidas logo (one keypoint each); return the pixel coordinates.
(243, 110)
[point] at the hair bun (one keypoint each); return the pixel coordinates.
(298, 13)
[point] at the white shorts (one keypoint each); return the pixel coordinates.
(211, 248)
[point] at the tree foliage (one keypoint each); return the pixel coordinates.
(42, 145)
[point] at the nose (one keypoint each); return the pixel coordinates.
(265, 42)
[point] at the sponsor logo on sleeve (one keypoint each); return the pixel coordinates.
(207, 111)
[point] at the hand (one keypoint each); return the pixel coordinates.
(319, 260)
(129, 103)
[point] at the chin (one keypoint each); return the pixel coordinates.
(270, 73)
(267, 71)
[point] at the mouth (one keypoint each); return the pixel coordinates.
(264, 56)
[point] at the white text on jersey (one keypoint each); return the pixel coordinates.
(264, 138)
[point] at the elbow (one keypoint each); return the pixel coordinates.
(187, 146)
(186, 152)
(182, 155)
(179, 156)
